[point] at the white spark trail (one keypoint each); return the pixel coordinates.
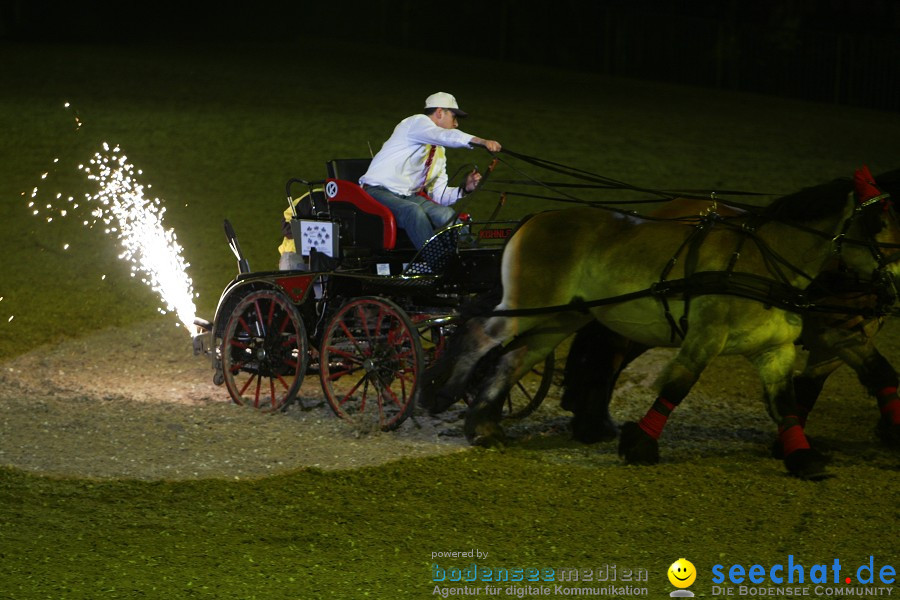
(152, 249)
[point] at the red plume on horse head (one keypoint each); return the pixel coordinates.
(866, 188)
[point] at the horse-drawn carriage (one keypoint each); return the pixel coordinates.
(368, 315)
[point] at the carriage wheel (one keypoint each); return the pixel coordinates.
(528, 393)
(370, 363)
(264, 351)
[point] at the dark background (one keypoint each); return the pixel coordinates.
(838, 51)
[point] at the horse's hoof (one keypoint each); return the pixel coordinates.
(586, 432)
(807, 464)
(487, 435)
(636, 446)
(777, 450)
(889, 433)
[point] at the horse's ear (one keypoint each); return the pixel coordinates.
(865, 185)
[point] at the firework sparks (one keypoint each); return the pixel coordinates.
(120, 204)
(137, 221)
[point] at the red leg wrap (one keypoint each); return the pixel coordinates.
(654, 421)
(666, 404)
(891, 411)
(887, 393)
(793, 439)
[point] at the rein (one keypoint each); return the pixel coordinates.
(603, 182)
(767, 291)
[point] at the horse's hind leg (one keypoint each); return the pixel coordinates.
(807, 388)
(872, 369)
(596, 358)
(774, 366)
(880, 379)
(638, 442)
(482, 426)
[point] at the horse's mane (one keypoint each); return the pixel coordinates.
(812, 203)
(890, 182)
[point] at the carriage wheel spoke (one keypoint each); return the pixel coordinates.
(335, 375)
(344, 354)
(284, 383)
(347, 397)
(236, 367)
(249, 382)
(404, 355)
(379, 321)
(387, 392)
(363, 320)
(271, 316)
(352, 339)
(524, 390)
(256, 396)
(284, 323)
(259, 317)
(245, 326)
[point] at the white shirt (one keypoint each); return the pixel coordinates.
(400, 164)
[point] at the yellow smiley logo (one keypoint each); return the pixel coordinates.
(682, 573)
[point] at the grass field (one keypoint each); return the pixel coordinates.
(217, 131)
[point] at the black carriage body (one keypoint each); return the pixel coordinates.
(369, 309)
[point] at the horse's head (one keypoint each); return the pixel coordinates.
(858, 216)
(878, 226)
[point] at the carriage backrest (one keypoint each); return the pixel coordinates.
(365, 222)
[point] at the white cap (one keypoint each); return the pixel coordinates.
(445, 100)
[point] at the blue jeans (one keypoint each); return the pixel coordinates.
(416, 215)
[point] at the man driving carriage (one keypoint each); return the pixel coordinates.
(409, 174)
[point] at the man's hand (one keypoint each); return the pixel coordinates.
(472, 180)
(492, 145)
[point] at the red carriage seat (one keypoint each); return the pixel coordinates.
(365, 222)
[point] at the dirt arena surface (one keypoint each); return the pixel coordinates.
(137, 404)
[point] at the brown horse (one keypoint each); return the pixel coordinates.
(598, 355)
(738, 278)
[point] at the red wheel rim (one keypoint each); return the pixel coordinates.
(371, 358)
(264, 351)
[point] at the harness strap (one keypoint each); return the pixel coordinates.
(690, 246)
(743, 285)
(667, 312)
